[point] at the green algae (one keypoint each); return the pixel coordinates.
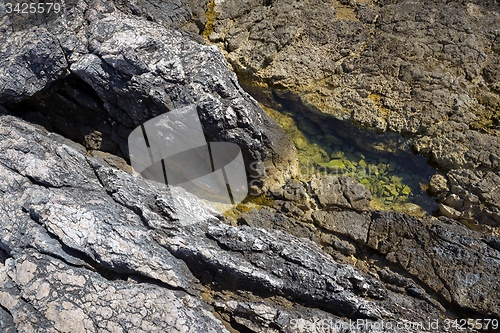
(396, 179)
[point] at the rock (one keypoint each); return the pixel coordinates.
(6, 322)
(449, 258)
(454, 201)
(337, 154)
(393, 278)
(342, 192)
(296, 192)
(111, 83)
(30, 61)
(311, 270)
(329, 192)
(90, 246)
(449, 212)
(75, 247)
(337, 245)
(350, 224)
(478, 194)
(438, 184)
(443, 253)
(414, 254)
(383, 66)
(299, 64)
(286, 319)
(168, 13)
(333, 141)
(44, 293)
(87, 245)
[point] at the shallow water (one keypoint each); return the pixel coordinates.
(383, 162)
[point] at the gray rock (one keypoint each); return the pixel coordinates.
(45, 294)
(450, 259)
(108, 250)
(78, 258)
(121, 70)
(272, 261)
(347, 223)
(6, 322)
(432, 255)
(449, 211)
(87, 245)
(294, 191)
(168, 13)
(30, 61)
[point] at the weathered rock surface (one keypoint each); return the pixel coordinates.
(340, 192)
(104, 250)
(46, 294)
(77, 256)
(426, 69)
(455, 262)
(439, 255)
(109, 72)
(86, 245)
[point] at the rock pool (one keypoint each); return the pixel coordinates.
(383, 162)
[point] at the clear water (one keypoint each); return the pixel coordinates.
(383, 162)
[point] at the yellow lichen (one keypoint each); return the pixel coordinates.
(345, 13)
(211, 15)
(377, 100)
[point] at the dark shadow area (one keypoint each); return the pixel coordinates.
(70, 107)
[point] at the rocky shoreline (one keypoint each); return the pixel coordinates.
(88, 245)
(426, 70)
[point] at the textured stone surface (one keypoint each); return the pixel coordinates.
(79, 256)
(86, 245)
(426, 69)
(442, 255)
(30, 63)
(340, 192)
(452, 260)
(46, 294)
(438, 184)
(124, 70)
(104, 250)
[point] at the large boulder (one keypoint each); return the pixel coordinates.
(97, 73)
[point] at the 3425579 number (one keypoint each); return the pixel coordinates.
(32, 8)
(469, 324)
